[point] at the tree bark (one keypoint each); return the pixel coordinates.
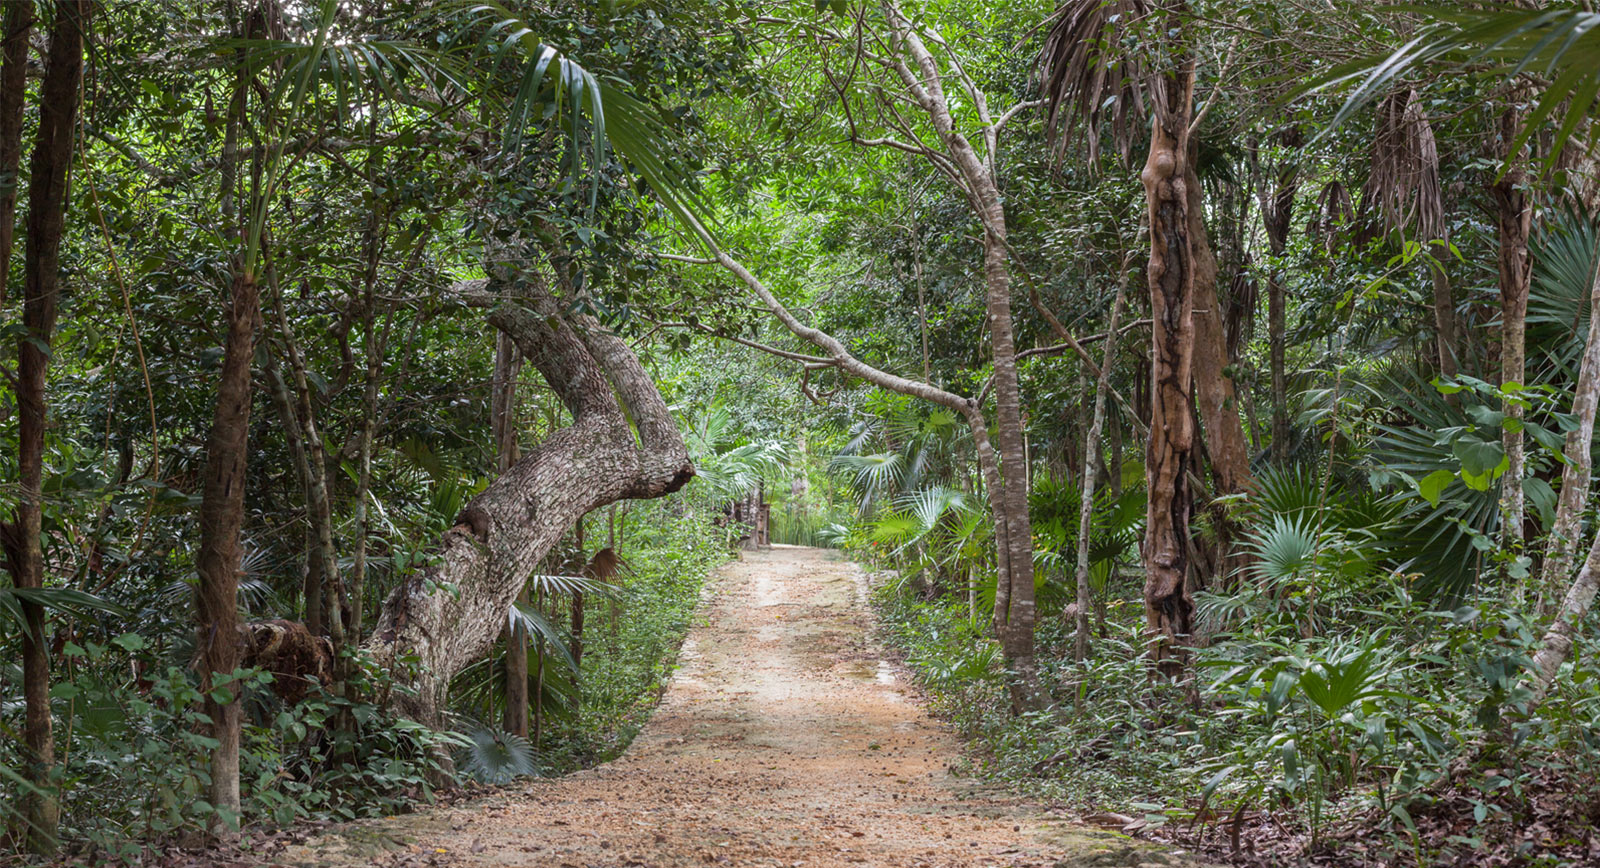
(1444, 312)
(1080, 643)
(502, 419)
(47, 205)
(1562, 548)
(1169, 607)
(1556, 648)
(1277, 210)
(1513, 215)
(1215, 391)
(449, 614)
(13, 88)
(217, 561)
(222, 489)
(1216, 395)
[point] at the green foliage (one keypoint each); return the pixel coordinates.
(632, 639)
(134, 764)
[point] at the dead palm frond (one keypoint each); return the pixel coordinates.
(1333, 215)
(1088, 72)
(1403, 185)
(1239, 311)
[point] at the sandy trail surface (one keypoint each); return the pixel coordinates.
(785, 739)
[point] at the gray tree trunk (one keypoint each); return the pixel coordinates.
(1080, 644)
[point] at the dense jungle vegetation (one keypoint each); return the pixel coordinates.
(1211, 385)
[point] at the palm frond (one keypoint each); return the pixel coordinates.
(496, 757)
(1092, 73)
(70, 601)
(1562, 46)
(1403, 184)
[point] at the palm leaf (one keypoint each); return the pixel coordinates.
(1562, 46)
(71, 601)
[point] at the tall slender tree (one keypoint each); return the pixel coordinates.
(48, 174)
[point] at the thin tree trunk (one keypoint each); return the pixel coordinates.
(217, 561)
(374, 341)
(502, 420)
(47, 205)
(18, 27)
(922, 309)
(1080, 643)
(1277, 210)
(222, 494)
(1115, 470)
(319, 498)
(575, 624)
(1513, 219)
(1444, 313)
(1562, 548)
(538, 690)
(289, 418)
(1169, 607)
(1216, 396)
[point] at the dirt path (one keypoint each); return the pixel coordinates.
(784, 740)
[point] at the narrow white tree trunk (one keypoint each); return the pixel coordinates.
(1562, 548)
(1080, 644)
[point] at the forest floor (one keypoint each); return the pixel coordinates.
(785, 739)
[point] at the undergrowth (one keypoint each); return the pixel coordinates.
(1402, 742)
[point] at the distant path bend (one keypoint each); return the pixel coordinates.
(785, 739)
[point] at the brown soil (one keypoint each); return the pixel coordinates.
(785, 739)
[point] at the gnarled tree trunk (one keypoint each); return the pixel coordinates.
(448, 615)
(1169, 607)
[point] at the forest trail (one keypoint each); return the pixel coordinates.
(785, 739)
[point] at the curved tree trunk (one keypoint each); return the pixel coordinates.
(448, 615)
(1556, 648)
(1169, 607)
